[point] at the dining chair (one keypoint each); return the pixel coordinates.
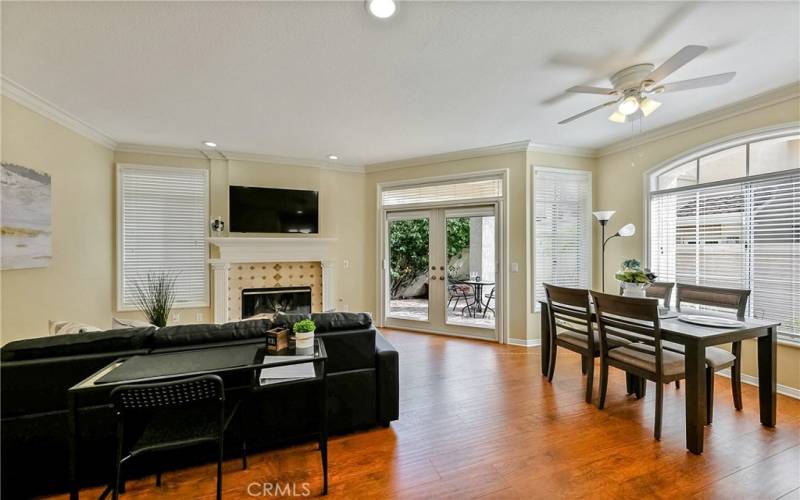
(635, 320)
(717, 359)
(171, 415)
(570, 316)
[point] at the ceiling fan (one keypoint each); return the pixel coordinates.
(633, 86)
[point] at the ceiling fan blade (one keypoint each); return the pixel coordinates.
(585, 89)
(588, 111)
(677, 61)
(696, 83)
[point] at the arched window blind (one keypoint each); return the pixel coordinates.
(736, 233)
(562, 229)
(162, 221)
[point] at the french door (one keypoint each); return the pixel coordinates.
(441, 270)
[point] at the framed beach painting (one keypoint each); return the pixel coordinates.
(25, 217)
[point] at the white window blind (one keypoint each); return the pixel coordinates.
(743, 233)
(163, 215)
(443, 192)
(562, 229)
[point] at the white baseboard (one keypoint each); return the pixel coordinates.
(751, 380)
(525, 343)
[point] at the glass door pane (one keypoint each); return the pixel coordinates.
(408, 262)
(471, 260)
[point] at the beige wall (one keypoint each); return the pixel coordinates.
(619, 186)
(80, 283)
(77, 285)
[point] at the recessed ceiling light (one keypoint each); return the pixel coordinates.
(210, 144)
(382, 9)
(333, 157)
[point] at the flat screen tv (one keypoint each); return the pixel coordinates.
(270, 210)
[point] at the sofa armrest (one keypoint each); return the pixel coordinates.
(388, 375)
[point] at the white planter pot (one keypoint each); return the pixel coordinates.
(304, 340)
(634, 289)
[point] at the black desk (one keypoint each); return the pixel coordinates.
(695, 339)
(231, 360)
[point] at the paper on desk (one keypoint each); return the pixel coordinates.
(286, 372)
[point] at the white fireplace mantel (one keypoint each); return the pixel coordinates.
(244, 249)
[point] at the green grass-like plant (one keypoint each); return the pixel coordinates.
(304, 326)
(155, 295)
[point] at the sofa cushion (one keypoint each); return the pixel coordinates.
(187, 335)
(336, 321)
(127, 339)
(288, 320)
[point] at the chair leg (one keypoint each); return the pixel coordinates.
(677, 384)
(736, 376)
(219, 470)
(117, 474)
(158, 479)
(709, 395)
(659, 408)
(589, 379)
(641, 387)
(583, 365)
(243, 430)
(629, 384)
(552, 367)
(603, 383)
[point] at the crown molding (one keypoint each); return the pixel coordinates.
(221, 154)
(555, 149)
(511, 147)
(763, 100)
(300, 162)
(38, 104)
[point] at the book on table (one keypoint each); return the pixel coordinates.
(285, 373)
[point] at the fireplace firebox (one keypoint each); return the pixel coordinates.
(290, 300)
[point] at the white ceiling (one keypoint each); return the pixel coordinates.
(306, 79)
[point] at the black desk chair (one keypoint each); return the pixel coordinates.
(169, 416)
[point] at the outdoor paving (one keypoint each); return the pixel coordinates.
(417, 309)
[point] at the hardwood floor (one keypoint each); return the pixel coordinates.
(478, 420)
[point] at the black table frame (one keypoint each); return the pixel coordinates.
(477, 287)
(86, 386)
(695, 366)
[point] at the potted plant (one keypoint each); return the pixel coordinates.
(155, 295)
(634, 279)
(304, 334)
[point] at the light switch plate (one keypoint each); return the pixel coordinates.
(514, 267)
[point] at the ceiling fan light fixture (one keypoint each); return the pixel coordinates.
(618, 117)
(648, 106)
(629, 105)
(382, 9)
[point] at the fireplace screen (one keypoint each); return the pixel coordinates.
(269, 301)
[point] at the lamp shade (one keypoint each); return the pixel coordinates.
(627, 230)
(604, 215)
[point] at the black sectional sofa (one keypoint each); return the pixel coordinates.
(363, 392)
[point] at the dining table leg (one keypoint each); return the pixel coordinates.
(695, 364)
(544, 331)
(72, 417)
(767, 376)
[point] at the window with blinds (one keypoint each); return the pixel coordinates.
(162, 219)
(477, 189)
(737, 233)
(562, 231)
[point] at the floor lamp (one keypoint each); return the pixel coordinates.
(603, 217)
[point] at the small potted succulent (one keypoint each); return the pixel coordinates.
(633, 279)
(304, 334)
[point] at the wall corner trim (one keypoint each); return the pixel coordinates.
(32, 101)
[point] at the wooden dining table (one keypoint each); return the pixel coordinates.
(695, 339)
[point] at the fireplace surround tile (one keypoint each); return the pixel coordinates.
(271, 275)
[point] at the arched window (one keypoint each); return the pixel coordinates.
(729, 216)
